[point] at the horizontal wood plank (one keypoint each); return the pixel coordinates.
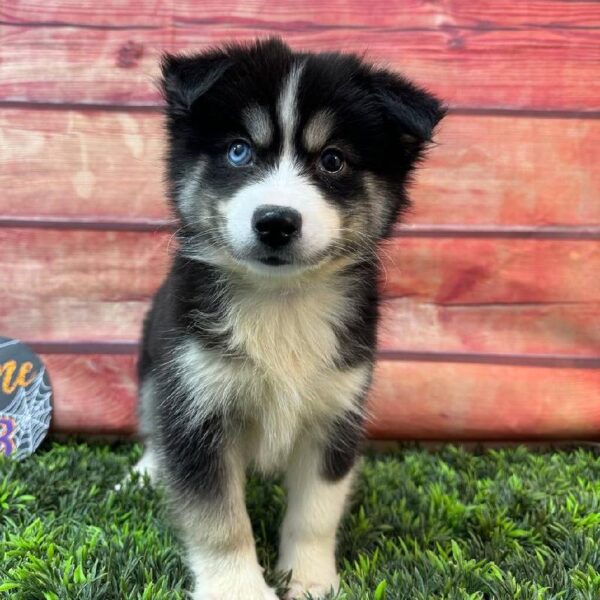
(502, 296)
(96, 394)
(487, 271)
(78, 285)
(92, 164)
(539, 329)
(534, 69)
(510, 171)
(87, 13)
(540, 334)
(483, 402)
(484, 170)
(93, 393)
(358, 13)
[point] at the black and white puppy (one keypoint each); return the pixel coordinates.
(285, 171)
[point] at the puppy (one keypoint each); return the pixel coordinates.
(285, 171)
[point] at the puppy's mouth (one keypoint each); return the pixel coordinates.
(274, 261)
(286, 265)
(276, 265)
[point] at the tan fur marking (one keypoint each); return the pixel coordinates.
(317, 131)
(257, 122)
(188, 189)
(378, 205)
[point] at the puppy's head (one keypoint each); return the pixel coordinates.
(282, 161)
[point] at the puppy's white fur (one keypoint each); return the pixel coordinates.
(287, 108)
(285, 187)
(308, 533)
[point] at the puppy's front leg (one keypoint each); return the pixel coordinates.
(209, 505)
(317, 493)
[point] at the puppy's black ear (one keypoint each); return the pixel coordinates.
(187, 78)
(411, 112)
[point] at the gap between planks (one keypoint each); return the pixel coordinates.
(544, 232)
(525, 360)
(156, 107)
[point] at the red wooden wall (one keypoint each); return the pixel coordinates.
(492, 310)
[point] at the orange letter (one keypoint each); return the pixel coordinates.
(7, 370)
(25, 369)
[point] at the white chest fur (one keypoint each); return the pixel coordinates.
(287, 382)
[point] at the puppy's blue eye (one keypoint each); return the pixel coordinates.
(239, 153)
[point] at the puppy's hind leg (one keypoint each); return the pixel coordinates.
(147, 465)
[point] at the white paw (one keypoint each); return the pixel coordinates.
(300, 589)
(130, 478)
(266, 594)
(145, 466)
(235, 589)
(313, 572)
(270, 595)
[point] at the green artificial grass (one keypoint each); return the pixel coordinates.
(447, 524)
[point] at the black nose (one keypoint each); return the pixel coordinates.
(276, 226)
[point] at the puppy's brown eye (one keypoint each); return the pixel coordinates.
(332, 160)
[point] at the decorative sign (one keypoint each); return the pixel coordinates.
(25, 399)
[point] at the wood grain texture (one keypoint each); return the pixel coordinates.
(111, 13)
(488, 271)
(544, 329)
(533, 69)
(484, 170)
(78, 285)
(96, 394)
(93, 393)
(488, 296)
(510, 171)
(91, 164)
(378, 13)
(456, 401)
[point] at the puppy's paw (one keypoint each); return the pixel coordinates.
(145, 467)
(317, 589)
(235, 590)
(270, 595)
(313, 572)
(267, 594)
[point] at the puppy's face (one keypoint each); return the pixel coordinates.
(281, 161)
